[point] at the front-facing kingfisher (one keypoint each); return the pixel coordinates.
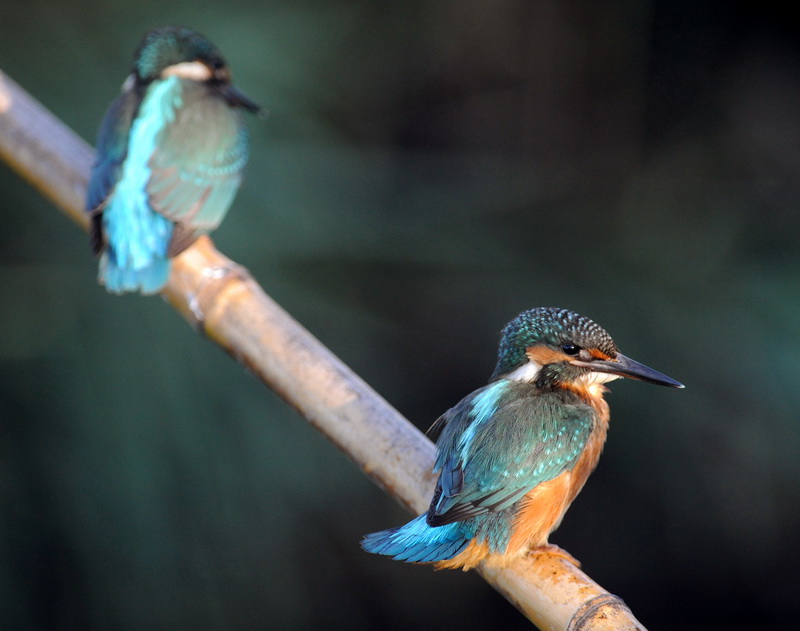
(512, 455)
(171, 152)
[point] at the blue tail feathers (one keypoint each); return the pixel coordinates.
(136, 256)
(417, 542)
(149, 279)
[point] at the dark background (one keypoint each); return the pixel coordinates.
(428, 170)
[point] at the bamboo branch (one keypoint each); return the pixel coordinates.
(221, 299)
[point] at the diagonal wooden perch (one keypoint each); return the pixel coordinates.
(222, 299)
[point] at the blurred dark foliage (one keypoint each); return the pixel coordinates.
(428, 170)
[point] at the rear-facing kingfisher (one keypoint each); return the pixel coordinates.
(512, 456)
(171, 152)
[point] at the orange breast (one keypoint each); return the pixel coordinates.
(541, 510)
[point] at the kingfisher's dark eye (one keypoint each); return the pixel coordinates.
(570, 349)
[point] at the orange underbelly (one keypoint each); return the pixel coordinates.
(540, 513)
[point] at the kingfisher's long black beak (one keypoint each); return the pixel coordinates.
(627, 367)
(239, 99)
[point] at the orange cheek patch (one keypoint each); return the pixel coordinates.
(598, 354)
(543, 355)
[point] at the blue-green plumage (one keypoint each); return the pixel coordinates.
(171, 152)
(417, 542)
(530, 425)
(489, 455)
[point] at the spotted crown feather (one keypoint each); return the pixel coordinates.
(550, 326)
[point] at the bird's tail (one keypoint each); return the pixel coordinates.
(417, 542)
(137, 241)
(118, 279)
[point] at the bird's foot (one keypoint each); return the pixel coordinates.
(553, 550)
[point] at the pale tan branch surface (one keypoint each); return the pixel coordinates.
(220, 298)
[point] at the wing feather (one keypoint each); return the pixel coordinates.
(112, 149)
(199, 159)
(499, 443)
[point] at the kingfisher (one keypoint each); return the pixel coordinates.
(513, 455)
(171, 152)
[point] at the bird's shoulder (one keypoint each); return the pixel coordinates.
(509, 404)
(502, 440)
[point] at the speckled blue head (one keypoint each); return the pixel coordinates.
(548, 326)
(558, 346)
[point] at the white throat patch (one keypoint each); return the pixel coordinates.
(596, 378)
(525, 373)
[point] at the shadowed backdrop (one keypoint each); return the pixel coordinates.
(428, 170)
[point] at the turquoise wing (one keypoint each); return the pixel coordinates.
(499, 443)
(198, 158)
